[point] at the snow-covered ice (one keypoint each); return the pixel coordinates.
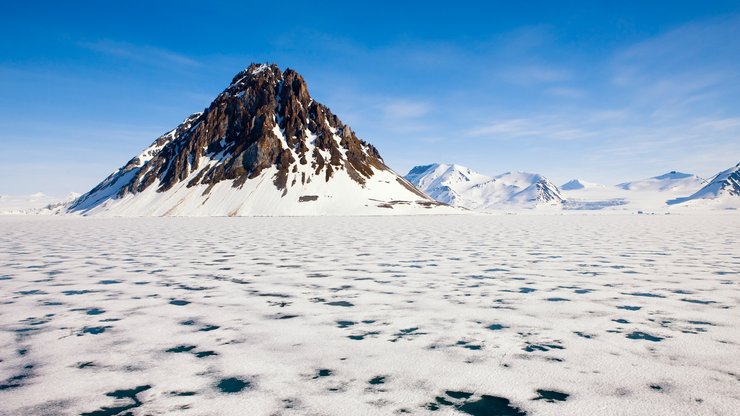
(521, 314)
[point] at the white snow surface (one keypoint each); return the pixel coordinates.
(459, 186)
(624, 314)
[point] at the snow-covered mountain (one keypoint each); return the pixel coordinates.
(574, 184)
(262, 147)
(646, 194)
(669, 182)
(723, 188)
(459, 186)
(33, 204)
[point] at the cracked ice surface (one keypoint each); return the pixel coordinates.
(526, 314)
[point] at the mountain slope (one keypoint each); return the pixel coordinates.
(459, 186)
(724, 186)
(672, 181)
(262, 147)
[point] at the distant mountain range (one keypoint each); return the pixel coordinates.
(264, 147)
(461, 187)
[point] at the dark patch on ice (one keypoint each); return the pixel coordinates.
(551, 396)
(630, 308)
(643, 294)
(182, 393)
(76, 292)
(468, 345)
(342, 303)
(496, 269)
(621, 321)
(542, 347)
(701, 323)
(583, 334)
(181, 348)
(94, 330)
(485, 406)
(406, 333)
(458, 394)
(94, 311)
(207, 328)
(179, 302)
(31, 292)
(322, 373)
(699, 301)
(362, 336)
(491, 405)
(203, 354)
(582, 291)
(656, 387)
(345, 324)
(120, 395)
(109, 282)
(526, 290)
(558, 300)
(377, 380)
(86, 364)
(189, 322)
(232, 385)
(645, 336)
(496, 327)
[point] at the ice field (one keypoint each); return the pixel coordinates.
(506, 315)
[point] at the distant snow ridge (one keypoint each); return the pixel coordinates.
(459, 186)
(262, 147)
(575, 184)
(724, 186)
(672, 181)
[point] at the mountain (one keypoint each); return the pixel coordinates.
(575, 184)
(262, 147)
(672, 181)
(459, 186)
(724, 186)
(32, 204)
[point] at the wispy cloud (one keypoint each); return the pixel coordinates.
(139, 53)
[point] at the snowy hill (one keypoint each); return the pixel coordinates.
(263, 147)
(723, 189)
(575, 184)
(32, 204)
(669, 182)
(646, 194)
(459, 186)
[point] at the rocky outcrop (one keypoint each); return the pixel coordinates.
(265, 118)
(262, 147)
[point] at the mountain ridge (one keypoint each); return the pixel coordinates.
(263, 133)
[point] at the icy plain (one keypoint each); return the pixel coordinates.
(511, 315)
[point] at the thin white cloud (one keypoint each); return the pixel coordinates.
(139, 53)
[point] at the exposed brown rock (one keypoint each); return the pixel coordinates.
(265, 119)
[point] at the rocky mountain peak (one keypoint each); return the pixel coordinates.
(265, 120)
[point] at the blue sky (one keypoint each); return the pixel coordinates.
(603, 92)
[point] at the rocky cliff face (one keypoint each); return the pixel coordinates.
(264, 123)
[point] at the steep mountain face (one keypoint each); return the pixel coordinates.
(263, 147)
(724, 186)
(459, 186)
